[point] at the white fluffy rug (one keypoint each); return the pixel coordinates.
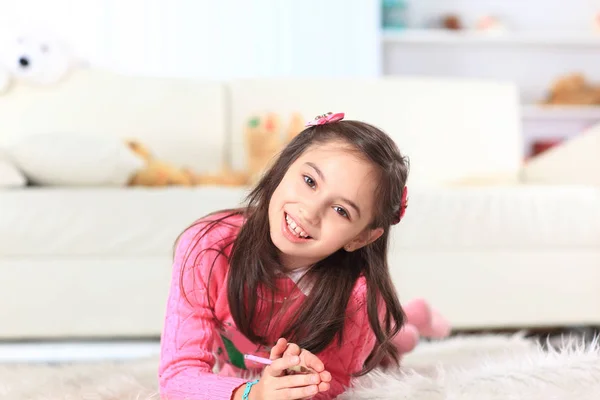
(465, 368)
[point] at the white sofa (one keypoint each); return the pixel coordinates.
(488, 250)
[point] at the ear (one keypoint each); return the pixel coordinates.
(368, 236)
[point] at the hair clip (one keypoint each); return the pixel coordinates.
(326, 119)
(403, 205)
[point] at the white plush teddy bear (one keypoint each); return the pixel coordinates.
(5, 76)
(35, 59)
(4, 79)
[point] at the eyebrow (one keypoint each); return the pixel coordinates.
(318, 171)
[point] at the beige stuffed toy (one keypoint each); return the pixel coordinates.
(265, 140)
(156, 172)
(573, 89)
(263, 143)
(225, 177)
(160, 173)
(297, 125)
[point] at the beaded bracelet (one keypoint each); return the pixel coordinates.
(248, 387)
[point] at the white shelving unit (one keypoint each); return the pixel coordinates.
(467, 37)
(533, 59)
(551, 112)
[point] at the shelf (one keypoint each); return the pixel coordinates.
(563, 112)
(446, 37)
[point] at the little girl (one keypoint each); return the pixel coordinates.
(299, 277)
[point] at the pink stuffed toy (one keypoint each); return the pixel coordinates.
(421, 321)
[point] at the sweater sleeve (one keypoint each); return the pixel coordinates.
(358, 342)
(187, 361)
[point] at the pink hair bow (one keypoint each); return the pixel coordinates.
(326, 119)
(403, 205)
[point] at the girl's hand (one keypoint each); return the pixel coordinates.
(309, 363)
(274, 384)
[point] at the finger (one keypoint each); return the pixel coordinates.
(278, 349)
(324, 386)
(325, 376)
(311, 361)
(297, 393)
(291, 381)
(292, 349)
(278, 367)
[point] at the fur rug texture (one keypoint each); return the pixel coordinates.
(467, 368)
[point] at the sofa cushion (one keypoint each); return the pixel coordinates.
(108, 222)
(183, 121)
(70, 159)
(514, 218)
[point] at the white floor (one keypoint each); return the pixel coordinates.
(58, 352)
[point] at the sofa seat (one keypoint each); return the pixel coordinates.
(145, 221)
(510, 217)
(95, 262)
(485, 256)
(124, 222)
(502, 256)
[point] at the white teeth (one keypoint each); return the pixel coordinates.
(294, 228)
(291, 223)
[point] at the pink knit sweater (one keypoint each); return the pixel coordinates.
(202, 361)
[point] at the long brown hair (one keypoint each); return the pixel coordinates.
(254, 262)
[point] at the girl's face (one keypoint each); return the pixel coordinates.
(324, 202)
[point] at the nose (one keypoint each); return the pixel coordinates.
(310, 214)
(24, 62)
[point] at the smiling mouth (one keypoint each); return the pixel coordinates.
(295, 229)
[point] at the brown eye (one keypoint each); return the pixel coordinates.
(341, 211)
(309, 181)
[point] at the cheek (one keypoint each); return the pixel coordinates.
(334, 227)
(292, 187)
(338, 230)
(285, 192)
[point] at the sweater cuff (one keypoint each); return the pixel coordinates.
(226, 386)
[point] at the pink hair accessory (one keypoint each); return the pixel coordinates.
(403, 205)
(326, 119)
